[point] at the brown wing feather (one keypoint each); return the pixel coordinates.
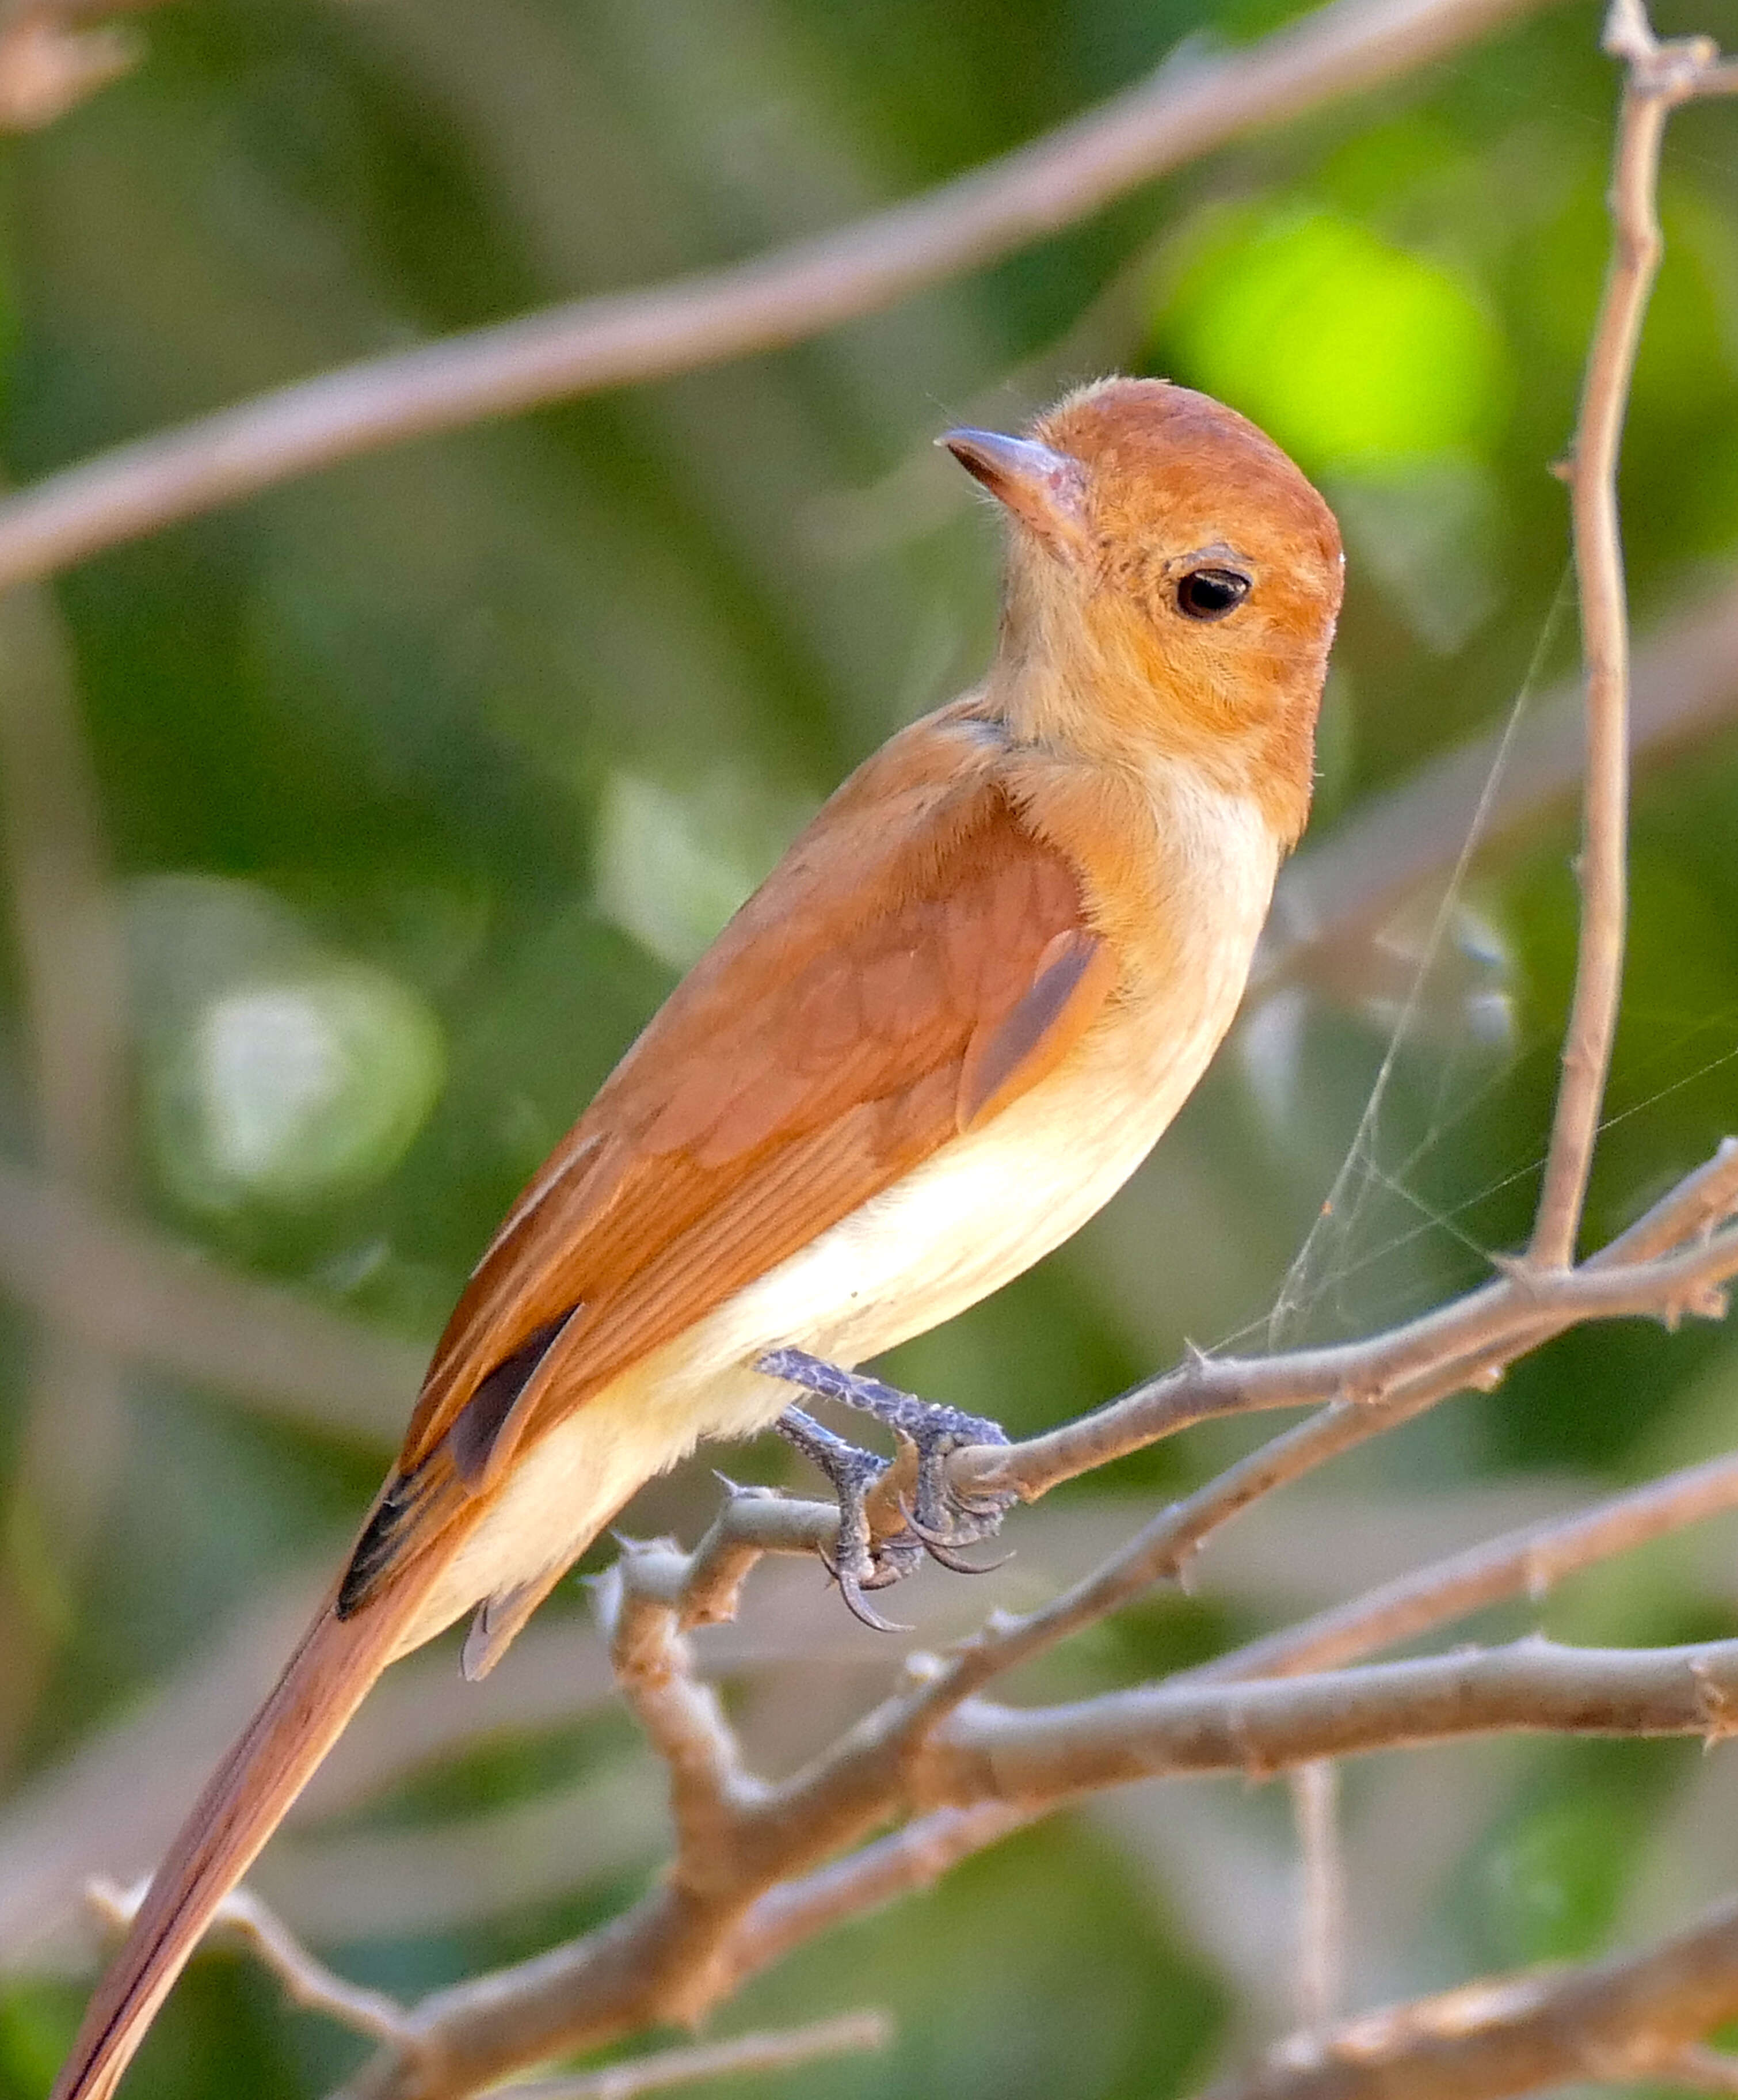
(917, 960)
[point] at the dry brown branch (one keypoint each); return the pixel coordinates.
(1635, 2017)
(1481, 1332)
(1047, 1754)
(308, 1983)
(1187, 110)
(687, 1944)
(913, 1857)
(709, 1793)
(1658, 78)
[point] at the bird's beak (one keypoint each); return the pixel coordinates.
(1044, 489)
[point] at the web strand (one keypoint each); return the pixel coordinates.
(1323, 1262)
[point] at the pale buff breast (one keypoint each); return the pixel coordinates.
(980, 1210)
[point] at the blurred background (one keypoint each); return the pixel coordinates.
(349, 836)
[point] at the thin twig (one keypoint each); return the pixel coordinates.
(306, 1980)
(782, 2050)
(1321, 1893)
(914, 1858)
(1186, 110)
(1659, 77)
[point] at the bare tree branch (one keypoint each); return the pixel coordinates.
(1189, 109)
(913, 1857)
(1659, 77)
(935, 1746)
(1635, 2017)
(1481, 1332)
(989, 1752)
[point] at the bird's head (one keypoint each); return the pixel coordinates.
(1173, 585)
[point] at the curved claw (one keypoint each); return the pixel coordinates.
(952, 1562)
(853, 1596)
(940, 1549)
(931, 1538)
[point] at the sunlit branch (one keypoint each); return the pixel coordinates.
(1635, 2017)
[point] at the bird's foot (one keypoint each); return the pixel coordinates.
(860, 1561)
(940, 1518)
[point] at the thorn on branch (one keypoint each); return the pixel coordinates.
(1716, 1700)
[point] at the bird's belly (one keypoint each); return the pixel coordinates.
(982, 1209)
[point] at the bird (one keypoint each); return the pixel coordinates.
(948, 1026)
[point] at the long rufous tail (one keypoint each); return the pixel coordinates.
(325, 1682)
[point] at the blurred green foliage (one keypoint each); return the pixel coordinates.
(422, 779)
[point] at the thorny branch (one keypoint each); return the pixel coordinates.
(936, 1769)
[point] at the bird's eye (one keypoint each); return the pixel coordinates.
(1211, 594)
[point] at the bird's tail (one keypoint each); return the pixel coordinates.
(250, 1792)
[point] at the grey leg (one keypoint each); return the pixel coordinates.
(861, 1562)
(943, 1519)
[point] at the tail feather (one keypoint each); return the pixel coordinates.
(325, 1682)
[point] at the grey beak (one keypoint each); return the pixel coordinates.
(1042, 487)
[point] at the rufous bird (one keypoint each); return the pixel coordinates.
(948, 1026)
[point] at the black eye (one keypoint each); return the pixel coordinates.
(1211, 594)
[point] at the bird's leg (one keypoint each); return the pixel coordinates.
(860, 1561)
(942, 1519)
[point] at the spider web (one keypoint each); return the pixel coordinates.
(1381, 1245)
(1379, 1239)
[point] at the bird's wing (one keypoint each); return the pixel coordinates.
(919, 960)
